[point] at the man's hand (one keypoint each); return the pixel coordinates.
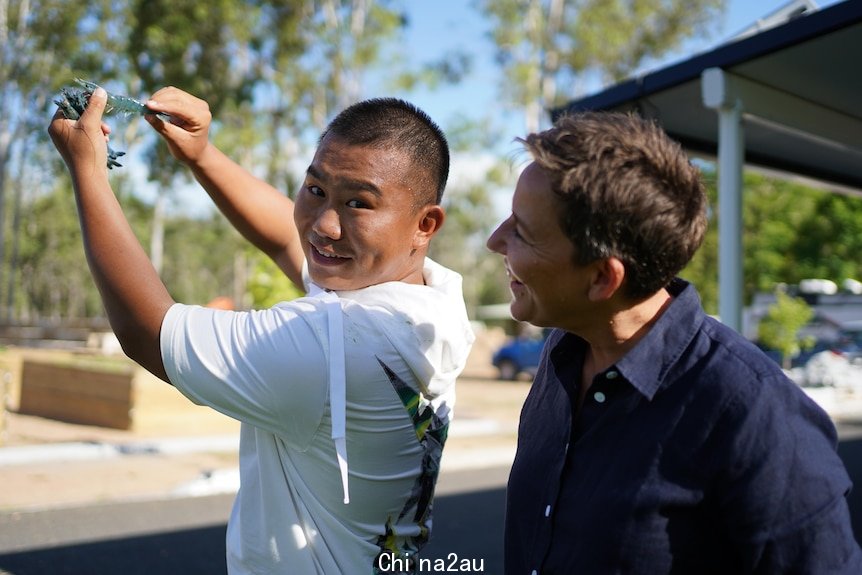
(187, 131)
(83, 143)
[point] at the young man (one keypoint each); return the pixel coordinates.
(654, 439)
(344, 395)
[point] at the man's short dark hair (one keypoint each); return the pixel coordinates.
(398, 125)
(628, 191)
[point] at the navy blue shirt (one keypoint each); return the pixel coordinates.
(692, 454)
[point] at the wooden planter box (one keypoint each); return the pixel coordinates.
(77, 394)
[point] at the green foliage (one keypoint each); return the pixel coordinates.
(196, 46)
(790, 232)
(192, 45)
(201, 258)
(53, 276)
(451, 68)
(615, 37)
(779, 328)
(793, 232)
(267, 284)
(702, 270)
(768, 241)
(465, 134)
(830, 240)
(201, 262)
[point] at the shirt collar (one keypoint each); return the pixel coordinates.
(647, 364)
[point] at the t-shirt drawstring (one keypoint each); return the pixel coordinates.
(337, 385)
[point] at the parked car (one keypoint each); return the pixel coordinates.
(520, 355)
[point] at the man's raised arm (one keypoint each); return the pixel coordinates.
(134, 296)
(262, 214)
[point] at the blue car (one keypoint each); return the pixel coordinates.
(519, 355)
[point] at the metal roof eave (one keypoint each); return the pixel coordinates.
(724, 56)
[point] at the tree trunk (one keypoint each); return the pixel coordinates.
(157, 241)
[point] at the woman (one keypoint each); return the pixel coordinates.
(654, 439)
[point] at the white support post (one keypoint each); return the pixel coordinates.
(731, 147)
(718, 93)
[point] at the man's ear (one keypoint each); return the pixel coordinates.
(430, 221)
(608, 276)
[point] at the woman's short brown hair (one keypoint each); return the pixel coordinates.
(628, 191)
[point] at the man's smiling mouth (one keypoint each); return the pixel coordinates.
(327, 255)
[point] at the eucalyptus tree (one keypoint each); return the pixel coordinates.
(54, 281)
(311, 58)
(43, 45)
(200, 46)
(547, 49)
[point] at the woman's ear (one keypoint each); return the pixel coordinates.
(608, 276)
(430, 221)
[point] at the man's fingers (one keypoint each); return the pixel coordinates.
(95, 108)
(54, 127)
(167, 129)
(183, 109)
(166, 105)
(156, 122)
(173, 114)
(60, 123)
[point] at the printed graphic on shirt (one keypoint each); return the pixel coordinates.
(431, 432)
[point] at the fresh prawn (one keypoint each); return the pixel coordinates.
(74, 102)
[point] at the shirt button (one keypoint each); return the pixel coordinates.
(548, 511)
(599, 397)
(612, 375)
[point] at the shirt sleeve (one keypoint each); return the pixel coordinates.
(784, 490)
(266, 368)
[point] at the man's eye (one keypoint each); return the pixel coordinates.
(315, 190)
(359, 204)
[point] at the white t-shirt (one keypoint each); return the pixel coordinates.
(404, 345)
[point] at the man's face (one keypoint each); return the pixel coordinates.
(356, 218)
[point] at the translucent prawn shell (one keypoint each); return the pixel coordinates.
(117, 103)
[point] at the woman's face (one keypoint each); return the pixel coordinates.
(548, 289)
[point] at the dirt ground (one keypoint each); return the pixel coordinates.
(485, 425)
